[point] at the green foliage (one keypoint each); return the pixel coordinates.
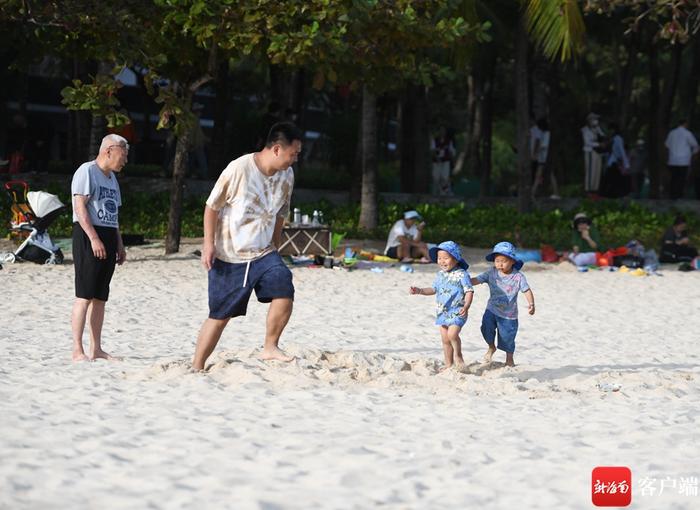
(99, 98)
(557, 26)
(482, 226)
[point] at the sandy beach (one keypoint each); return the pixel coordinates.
(362, 419)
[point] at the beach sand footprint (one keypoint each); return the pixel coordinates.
(318, 368)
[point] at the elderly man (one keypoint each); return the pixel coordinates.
(97, 243)
(404, 242)
(243, 222)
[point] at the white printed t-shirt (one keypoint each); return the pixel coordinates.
(400, 230)
(248, 203)
(105, 196)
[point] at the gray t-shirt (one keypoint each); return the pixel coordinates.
(105, 197)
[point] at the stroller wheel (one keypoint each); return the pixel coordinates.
(59, 256)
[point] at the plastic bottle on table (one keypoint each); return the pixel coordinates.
(314, 220)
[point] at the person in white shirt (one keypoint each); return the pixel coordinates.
(404, 241)
(682, 146)
(243, 221)
(593, 141)
(539, 151)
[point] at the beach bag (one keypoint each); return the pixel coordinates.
(608, 258)
(628, 260)
(549, 254)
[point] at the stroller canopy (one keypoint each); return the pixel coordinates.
(43, 203)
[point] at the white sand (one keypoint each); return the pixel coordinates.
(361, 420)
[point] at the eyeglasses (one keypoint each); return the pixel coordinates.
(125, 147)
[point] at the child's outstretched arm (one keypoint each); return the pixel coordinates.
(425, 291)
(468, 297)
(530, 301)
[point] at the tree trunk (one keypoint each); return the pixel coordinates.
(522, 112)
(691, 90)
(625, 82)
(654, 143)
(219, 154)
(356, 168)
(98, 126)
(407, 113)
(368, 205)
(664, 110)
(472, 153)
(421, 147)
(487, 132)
(172, 241)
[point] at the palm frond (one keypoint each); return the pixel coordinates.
(556, 26)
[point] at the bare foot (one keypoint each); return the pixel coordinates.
(80, 356)
(275, 354)
(446, 367)
(509, 359)
(489, 354)
(460, 366)
(103, 355)
(510, 363)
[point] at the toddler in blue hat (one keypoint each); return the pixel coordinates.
(454, 293)
(504, 280)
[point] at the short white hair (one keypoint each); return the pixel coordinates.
(112, 139)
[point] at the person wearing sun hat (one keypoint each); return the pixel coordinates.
(453, 292)
(405, 239)
(505, 281)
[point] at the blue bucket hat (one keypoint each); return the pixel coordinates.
(453, 249)
(507, 249)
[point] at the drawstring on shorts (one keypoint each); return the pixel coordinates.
(245, 278)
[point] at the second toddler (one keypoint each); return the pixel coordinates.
(505, 281)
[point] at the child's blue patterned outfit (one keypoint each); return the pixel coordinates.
(502, 309)
(450, 288)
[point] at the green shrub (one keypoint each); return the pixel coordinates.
(483, 226)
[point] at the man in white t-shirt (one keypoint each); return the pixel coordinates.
(243, 222)
(539, 151)
(682, 146)
(404, 241)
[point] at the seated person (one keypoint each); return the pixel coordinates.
(404, 242)
(585, 241)
(675, 245)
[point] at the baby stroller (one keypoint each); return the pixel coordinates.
(32, 213)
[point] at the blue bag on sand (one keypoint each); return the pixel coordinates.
(529, 255)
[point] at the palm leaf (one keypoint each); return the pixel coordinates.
(556, 26)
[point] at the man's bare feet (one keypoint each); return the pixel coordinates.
(446, 367)
(509, 359)
(460, 366)
(489, 353)
(103, 355)
(80, 356)
(276, 354)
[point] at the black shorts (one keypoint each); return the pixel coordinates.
(393, 252)
(93, 275)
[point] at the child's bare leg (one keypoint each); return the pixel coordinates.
(447, 349)
(490, 352)
(456, 343)
(509, 359)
